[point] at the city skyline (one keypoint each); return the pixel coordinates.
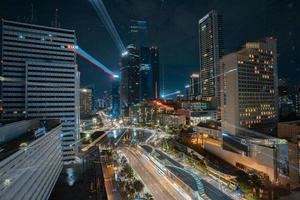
(151, 99)
(179, 26)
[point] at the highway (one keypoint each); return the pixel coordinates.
(156, 182)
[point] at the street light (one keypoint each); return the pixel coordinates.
(94, 120)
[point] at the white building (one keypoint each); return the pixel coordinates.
(30, 165)
(249, 97)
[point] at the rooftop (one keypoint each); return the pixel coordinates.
(18, 135)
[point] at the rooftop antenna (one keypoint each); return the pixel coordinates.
(55, 22)
(32, 14)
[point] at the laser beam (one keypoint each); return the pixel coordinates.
(76, 49)
(102, 13)
(170, 94)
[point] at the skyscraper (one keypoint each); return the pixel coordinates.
(138, 33)
(130, 77)
(86, 101)
(154, 61)
(40, 78)
(211, 50)
(115, 93)
(146, 75)
(194, 86)
(249, 89)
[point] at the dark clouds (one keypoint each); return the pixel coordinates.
(173, 27)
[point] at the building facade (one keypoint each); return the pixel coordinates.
(297, 100)
(289, 163)
(86, 101)
(194, 86)
(130, 79)
(210, 51)
(146, 74)
(30, 164)
(42, 77)
(249, 90)
(115, 94)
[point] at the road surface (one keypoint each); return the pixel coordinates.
(156, 182)
(110, 183)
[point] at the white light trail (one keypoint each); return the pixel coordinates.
(102, 13)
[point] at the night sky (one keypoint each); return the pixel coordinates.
(173, 27)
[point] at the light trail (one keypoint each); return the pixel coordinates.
(76, 49)
(188, 86)
(102, 13)
(170, 94)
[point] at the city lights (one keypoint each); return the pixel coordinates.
(189, 112)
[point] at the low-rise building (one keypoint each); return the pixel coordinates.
(289, 165)
(30, 158)
(172, 120)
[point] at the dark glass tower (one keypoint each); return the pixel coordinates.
(130, 76)
(146, 75)
(115, 94)
(211, 50)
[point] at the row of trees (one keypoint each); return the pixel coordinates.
(130, 186)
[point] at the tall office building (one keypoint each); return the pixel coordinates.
(154, 61)
(249, 89)
(130, 76)
(40, 77)
(286, 106)
(138, 33)
(86, 101)
(194, 86)
(283, 87)
(211, 50)
(115, 94)
(146, 75)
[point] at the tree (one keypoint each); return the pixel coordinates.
(148, 196)
(138, 186)
(128, 171)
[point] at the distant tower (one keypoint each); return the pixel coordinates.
(146, 75)
(194, 86)
(130, 76)
(115, 93)
(138, 33)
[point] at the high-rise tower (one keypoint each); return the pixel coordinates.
(194, 86)
(249, 90)
(130, 76)
(40, 78)
(211, 50)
